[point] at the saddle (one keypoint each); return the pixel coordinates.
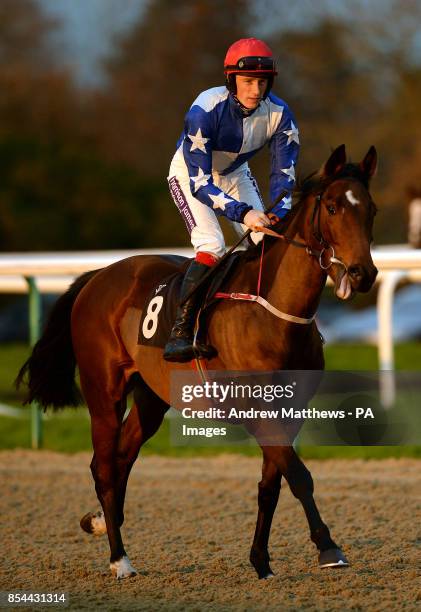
(160, 307)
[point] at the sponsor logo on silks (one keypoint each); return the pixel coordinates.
(182, 203)
(159, 288)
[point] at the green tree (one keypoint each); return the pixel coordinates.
(57, 188)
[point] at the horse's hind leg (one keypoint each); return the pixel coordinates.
(268, 495)
(106, 421)
(142, 423)
(301, 484)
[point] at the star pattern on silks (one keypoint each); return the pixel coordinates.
(290, 172)
(220, 200)
(198, 141)
(200, 180)
(292, 134)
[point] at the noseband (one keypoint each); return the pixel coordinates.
(317, 235)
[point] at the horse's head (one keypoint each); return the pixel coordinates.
(342, 221)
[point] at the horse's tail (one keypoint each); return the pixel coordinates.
(49, 373)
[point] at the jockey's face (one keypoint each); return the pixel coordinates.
(250, 90)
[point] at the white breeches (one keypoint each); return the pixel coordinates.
(202, 223)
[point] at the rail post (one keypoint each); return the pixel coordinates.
(34, 333)
(385, 341)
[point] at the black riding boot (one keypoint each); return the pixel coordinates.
(180, 344)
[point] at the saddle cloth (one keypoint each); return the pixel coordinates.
(158, 316)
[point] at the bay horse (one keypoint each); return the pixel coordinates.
(94, 326)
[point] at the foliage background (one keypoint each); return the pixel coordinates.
(83, 165)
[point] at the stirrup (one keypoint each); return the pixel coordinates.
(181, 351)
(205, 351)
(178, 350)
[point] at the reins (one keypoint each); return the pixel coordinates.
(316, 234)
(213, 269)
(317, 254)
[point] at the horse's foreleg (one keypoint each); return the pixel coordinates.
(301, 484)
(268, 495)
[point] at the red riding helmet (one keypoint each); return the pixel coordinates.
(249, 56)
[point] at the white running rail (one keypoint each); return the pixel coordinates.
(53, 272)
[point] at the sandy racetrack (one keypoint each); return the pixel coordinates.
(188, 529)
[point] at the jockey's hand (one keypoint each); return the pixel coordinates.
(274, 219)
(255, 219)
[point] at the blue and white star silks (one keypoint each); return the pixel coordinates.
(198, 141)
(220, 200)
(292, 134)
(290, 172)
(219, 139)
(200, 180)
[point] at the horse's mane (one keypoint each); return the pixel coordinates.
(316, 183)
(313, 184)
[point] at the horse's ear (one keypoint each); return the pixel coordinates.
(335, 162)
(369, 164)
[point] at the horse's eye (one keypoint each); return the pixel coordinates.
(331, 209)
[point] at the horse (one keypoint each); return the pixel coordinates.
(94, 326)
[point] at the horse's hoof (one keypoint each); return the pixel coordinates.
(269, 575)
(122, 568)
(333, 557)
(260, 562)
(94, 523)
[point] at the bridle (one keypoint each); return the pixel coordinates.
(316, 232)
(317, 235)
(318, 254)
(313, 252)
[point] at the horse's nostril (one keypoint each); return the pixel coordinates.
(355, 271)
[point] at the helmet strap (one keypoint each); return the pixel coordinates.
(231, 84)
(245, 111)
(269, 87)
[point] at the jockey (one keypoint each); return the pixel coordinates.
(209, 175)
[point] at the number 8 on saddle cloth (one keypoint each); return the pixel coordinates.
(158, 314)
